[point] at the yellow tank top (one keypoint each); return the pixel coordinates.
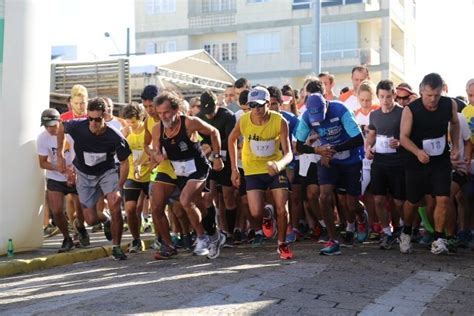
(136, 142)
(261, 143)
(468, 113)
(165, 166)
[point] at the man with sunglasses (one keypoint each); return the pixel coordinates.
(405, 94)
(95, 145)
(340, 166)
(266, 152)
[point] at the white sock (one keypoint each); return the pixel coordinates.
(350, 227)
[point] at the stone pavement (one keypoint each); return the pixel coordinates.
(363, 280)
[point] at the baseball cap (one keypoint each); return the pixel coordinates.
(208, 102)
(259, 95)
(49, 117)
(406, 89)
(316, 107)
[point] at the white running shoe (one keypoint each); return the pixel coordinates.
(216, 245)
(202, 246)
(405, 243)
(439, 246)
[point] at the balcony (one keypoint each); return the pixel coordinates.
(210, 13)
(397, 60)
(345, 57)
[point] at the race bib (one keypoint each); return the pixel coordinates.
(434, 146)
(342, 155)
(305, 162)
(262, 148)
(366, 164)
(382, 145)
(92, 159)
(224, 155)
(136, 154)
(184, 168)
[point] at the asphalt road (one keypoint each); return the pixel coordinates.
(363, 280)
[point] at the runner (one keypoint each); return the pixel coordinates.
(427, 163)
(177, 141)
(349, 98)
(95, 145)
(340, 166)
(264, 162)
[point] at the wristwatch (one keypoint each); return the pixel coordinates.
(213, 157)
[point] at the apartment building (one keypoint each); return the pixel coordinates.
(270, 41)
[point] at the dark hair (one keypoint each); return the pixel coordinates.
(315, 86)
(275, 93)
(344, 90)
(96, 104)
(361, 68)
(287, 90)
(385, 85)
(169, 96)
(433, 80)
(149, 92)
(133, 110)
(327, 74)
(242, 83)
(243, 97)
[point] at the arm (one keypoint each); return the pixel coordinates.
(232, 147)
(148, 139)
(154, 146)
(61, 164)
(405, 132)
(354, 142)
(277, 166)
(229, 127)
(454, 132)
(45, 164)
(370, 142)
(124, 166)
(194, 124)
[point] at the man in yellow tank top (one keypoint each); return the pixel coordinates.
(266, 152)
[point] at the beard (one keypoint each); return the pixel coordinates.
(169, 123)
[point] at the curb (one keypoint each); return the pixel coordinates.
(19, 266)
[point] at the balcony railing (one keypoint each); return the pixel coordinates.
(206, 7)
(366, 56)
(397, 60)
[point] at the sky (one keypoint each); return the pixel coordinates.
(443, 28)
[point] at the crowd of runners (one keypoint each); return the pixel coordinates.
(375, 162)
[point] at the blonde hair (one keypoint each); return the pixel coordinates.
(367, 86)
(79, 90)
(469, 84)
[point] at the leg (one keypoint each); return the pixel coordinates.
(55, 200)
(281, 202)
(160, 193)
(114, 200)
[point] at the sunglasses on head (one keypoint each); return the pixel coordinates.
(254, 105)
(95, 119)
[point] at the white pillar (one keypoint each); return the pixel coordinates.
(24, 95)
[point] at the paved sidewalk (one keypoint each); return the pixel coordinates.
(47, 256)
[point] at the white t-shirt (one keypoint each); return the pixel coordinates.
(47, 146)
(464, 135)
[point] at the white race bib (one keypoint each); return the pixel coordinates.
(342, 155)
(136, 154)
(224, 155)
(262, 148)
(92, 159)
(366, 164)
(382, 145)
(434, 146)
(184, 168)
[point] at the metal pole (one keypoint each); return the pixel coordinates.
(128, 41)
(317, 36)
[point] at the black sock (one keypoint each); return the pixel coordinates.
(209, 221)
(438, 235)
(230, 216)
(407, 230)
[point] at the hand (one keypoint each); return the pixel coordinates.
(460, 166)
(454, 153)
(235, 178)
(325, 151)
(217, 164)
(273, 168)
(158, 158)
(422, 156)
(121, 183)
(71, 176)
(369, 153)
(206, 149)
(325, 162)
(394, 143)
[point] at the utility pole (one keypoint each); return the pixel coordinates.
(316, 65)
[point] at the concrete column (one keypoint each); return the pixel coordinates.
(386, 46)
(25, 94)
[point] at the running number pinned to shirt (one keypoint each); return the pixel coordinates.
(184, 168)
(382, 145)
(92, 159)
(262, 148)
(342, 155)
(434, 146)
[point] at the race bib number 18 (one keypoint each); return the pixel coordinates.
(434, 146)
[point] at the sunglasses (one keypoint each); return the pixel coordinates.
(254, 105)
(405, 98)
(95, 119)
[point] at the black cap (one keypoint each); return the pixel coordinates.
(149, 92)
(49, 117)
(208, 102)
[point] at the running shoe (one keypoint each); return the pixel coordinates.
(463, 239)
(258, 240)
(237, 237)
(187, 241)
(427, 239)
(439, 246)
(387, 241)
(50, 231)
(284, 251)
(202, 246)
(268, 222)
(97, 228)
(290, 235)
(215, 245)
(324, 237)
(315, 233)
(156, 245)
(118, 254)
(250, 235)
(108, 230)
(405, 243)
(83, 235)
(347, 238)
(135, 246)
(67, 245)
(452, 245)
(362, 230)
(176, 240)
(331, 248)
(165, 252)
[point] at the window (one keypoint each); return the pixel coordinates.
(225, 52)
(257, 1)
(233, 52)
(160, 6)
(216, 5)
(222, 51)
(150, 48)
(306, 36)
(160, 47)
(263, 43)
(301, 4)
